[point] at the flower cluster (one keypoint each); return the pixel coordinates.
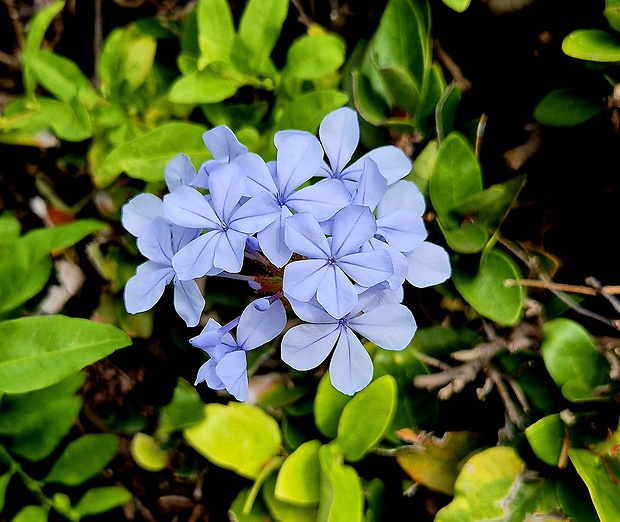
(338, 240)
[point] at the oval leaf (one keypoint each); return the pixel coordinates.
(485, 291)
(367, 417)
(147, 453)
(299, 478)
(328, 406)
(565, 108)
(100, 500)
(39, 351)
(592, 44)
(546, 436)
(237, 436)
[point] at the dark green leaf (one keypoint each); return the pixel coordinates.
(370, 105)
(566, 108)
(445, 112)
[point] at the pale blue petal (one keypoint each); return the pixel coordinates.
(389, 326)
(302, 278)
(305, 346)
(367, 268)
(144, 289)
(303, 235)
(232, 370)
(352, 227)
(429, 264)
(336, 293)
(281, 136)
(259, 327)
(350, 369)
(258, 175)
(322, 200)
(229, 251)
(271, 240)
(223, 144)
(204, 171)
(298, 160)
(371, 186)
(206, 373)
(179, 171)
(339, 132)
(155, 242)
(392, 162)
(311, 311)
(209, 337)
(399, 261)
(226, 186)
(187, 207)
(402, 229)
(196, 258)
(140, 211)
(181, 236)
(255, 214)
(402, 195)
(188, 301)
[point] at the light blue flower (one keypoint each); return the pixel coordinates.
(339, 134)
(428, 265)
(305, 346)
(140, 211)
(227, 365)
(227, 222)
(224, 147)
(179, 172)
(158, 242)
(298, 160)
(330, 263)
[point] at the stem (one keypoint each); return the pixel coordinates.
(32, 485)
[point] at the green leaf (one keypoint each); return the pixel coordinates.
(4, 483)
(491, 486)
(436, 462)
(137, 61)
(307, 111)
(402, 89)
(284, 511)
(328, 406)
(612, 13)
(216, 82)
(100, 500)
(36, 352)
(566, 108)
(38, 421)
(602, 483)
(31, 514)
(147, 453)
(367, 417)
(83, 459)
(342, 498)
(457, 5)
(572, 360)
(62, 77)
(185, 409)
(423, 165)
(546, 438)
(299, 478)
(592, 44)
(68, 120)
(238, 436)
(445, 112)
(259, 29)
(147, 156)
(216, 31)
(34, 38)
(25, 272)
(372, 106)
(485, 291)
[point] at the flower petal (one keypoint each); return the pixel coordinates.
(352, 227)
(367, 268)
(303, 235)
(336, 293)
(255, 214)
(258, 175)
(229, 251)
(402, 229)
(392, 162)
(429, 265)
(305, 346)
(226, 186)
(187, 207)
(155, 242)
(302, 278)
(179, 171)
(340, 133)
(389, 326)
(206, 373)
(223, 144)
(232, 370)
(298, 159)
(139, 212)
(188, 301)
(322, 200)
(144, 289)
(402, 195)
(271, 240)
(350, 369)
(311, 311)
(196, 258)
(259, 327)
(371, 186)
